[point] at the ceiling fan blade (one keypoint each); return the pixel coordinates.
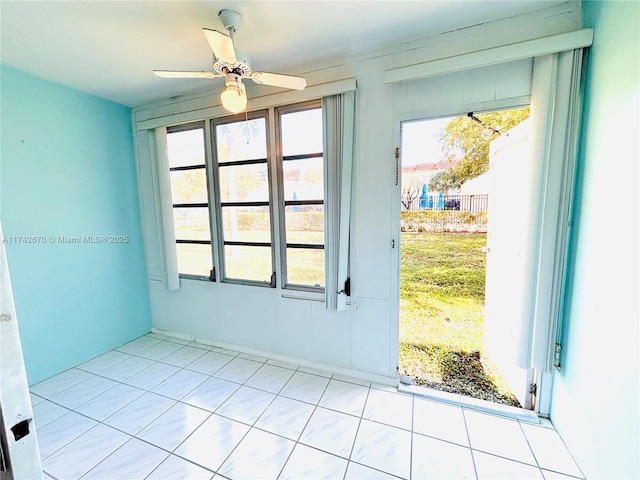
(179, 74)
(221, 44)
(277, 80)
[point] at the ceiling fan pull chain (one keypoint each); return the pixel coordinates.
(246, 119)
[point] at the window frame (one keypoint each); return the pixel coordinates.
(185, 127)
(279, 111)
(219, 205)
(274, 164)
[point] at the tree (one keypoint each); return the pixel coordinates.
(443, 181)
(189, 186)
(466, 140)
(411, 189)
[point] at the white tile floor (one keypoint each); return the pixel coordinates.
(164, 408)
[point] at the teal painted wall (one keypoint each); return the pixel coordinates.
(67, 169)
(595, 404)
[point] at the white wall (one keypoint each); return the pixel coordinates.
(365, 336)
(595, 404)
(477, 186)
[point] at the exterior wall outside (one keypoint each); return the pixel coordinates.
(476, 186)
(68, 171)
(595, 402)
(365, 336)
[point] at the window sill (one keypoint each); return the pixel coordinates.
(309, 296)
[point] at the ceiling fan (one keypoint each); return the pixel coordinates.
(233, 65)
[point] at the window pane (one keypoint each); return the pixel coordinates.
(244, 183)
(186, 148)
(305, 224)
(305, 267)
(303, 179)
(248, 263)
(191, 223)
(194, 259)
(246, 224)
(241, 140)
(189, 186)
(301, 132)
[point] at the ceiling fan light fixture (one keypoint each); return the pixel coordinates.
(234, 96)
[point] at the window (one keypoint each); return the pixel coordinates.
(273, 157)
(190, 198)
(302, 194)
(242, 173)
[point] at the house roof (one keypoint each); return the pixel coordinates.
(109, 48)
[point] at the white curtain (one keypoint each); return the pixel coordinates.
(338, 124)
(172, 277)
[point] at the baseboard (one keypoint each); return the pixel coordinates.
(319, 366)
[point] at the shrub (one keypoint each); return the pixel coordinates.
(259, 221)
(443, 221)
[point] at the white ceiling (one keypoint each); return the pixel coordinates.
(109, 48)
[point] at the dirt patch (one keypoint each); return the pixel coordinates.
(464, 373)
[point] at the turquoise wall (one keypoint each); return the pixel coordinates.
(68, 170)
(595, 404)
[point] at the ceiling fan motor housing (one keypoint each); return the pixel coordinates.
(241, 67)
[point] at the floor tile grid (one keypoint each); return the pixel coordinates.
(530, 447)
(473, 459)
(542, 467)
(252, 426)
(168, 452)
(98, 422)
(315, 408)
(256, 421)
(360, 418)
(537, 465)
(218, 475)
(475, 451)
(358, 431)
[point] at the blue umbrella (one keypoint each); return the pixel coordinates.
(423, 197)
(440, 201)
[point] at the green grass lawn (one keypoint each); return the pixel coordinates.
(304, 266)
(442, 278)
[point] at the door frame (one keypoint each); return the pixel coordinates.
(555, 96)
(544, 380)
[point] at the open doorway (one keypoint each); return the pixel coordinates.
(460, 242)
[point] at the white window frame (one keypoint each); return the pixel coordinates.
(276, 201)
(207, 167)
(279, 111)
(218, 204)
